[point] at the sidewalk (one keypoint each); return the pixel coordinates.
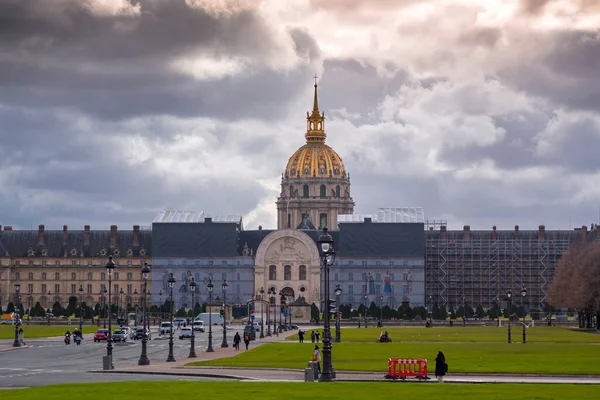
(296, 375)
(10, 347)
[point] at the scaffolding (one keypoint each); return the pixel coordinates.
(479, 267)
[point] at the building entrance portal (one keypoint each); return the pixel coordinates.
(287, 293)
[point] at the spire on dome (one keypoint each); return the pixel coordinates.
(315, 122)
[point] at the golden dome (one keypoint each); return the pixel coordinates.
(315, 159)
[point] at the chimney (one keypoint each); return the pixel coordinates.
(113, 236)
(541, 233)
(516, 232)
(8, 228)
(65, 233)
(584, 233)
(136, 235)
(431, 228)
(466, 233)
(443, 232)
(494, 233)
(86, 235)
(41, 229)
(208, 220)
(368, 220)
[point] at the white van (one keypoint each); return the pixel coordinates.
(215, 318)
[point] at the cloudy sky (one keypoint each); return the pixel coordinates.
(482, 112)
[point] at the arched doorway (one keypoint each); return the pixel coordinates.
(288, 293)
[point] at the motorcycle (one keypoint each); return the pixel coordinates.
(77, 340)
(67, 339)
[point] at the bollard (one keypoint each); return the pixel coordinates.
(309, 375)
(107, 363)
(314, 366)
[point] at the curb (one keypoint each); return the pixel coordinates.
(13, 348)
(206, 375)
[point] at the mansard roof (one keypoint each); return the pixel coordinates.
(76, 243)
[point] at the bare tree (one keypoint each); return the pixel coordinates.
(577, 282)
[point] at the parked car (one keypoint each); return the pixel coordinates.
(128, 331)
(199, 326)
(185, 333)
(7, 322)
(165, 328)
(101, 334)
(120, 335)
(138, 333)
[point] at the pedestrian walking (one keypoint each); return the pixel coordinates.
(312, 336)
(246, 339)
(440, 367)
(301, 336)
(236, 341)
(318, 336)
(316, 357)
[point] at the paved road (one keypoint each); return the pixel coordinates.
(50, 361)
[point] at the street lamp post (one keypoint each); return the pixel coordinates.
(144, 357)
(366, 298)
(17, 342)
(110, 267)
(147, 324)
(509, 296)
(338, 295)
(327, 254)
(193, 339)
(523, 294)
(262, 308)
(160, 308)
(224, 287)
(104, 307)
(281, 304)
(210, 287)
(381, 310)
(171, 282)
(120, 314)
(273, 307)
(134, 307)
(81, 308)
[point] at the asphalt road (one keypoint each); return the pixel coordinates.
(50, 361)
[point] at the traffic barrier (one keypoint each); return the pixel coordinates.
(407, 367)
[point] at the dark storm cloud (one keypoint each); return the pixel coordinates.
(356, 87)
(565, 73)
(120, 66)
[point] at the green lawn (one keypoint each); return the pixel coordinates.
(461, 357)
(466, 334)
(302, 391)
(40, 331)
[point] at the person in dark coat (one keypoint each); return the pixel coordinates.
(440, 367)
(301, 336)
(312, 336)
(246, 339)
(236, 341)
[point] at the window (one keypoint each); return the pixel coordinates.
(90, 263)
(335, 277)
(73, 276)
(350, 263)
(364, 276)
(129, 288)
(391, 263)
(224, 276)
(378, 263)
(238, 276)
(378, 277)
(44, 304)
(272, 272)
(210, 263)
(31, 263)
(57, 263)
(130, 263)
(73, 288)
(405, 263)
(305, 191)
(30, 276)
(17, 276)
(43, 289)
(89, 288)
(287, 273)
(289, 224)
(30, 288)
(103, 276)
(116, 289)
(392, 276)
(302, 274)
(170, 263)
(237, 288)
(18, 262)
(323, 191)
(57, 276)
(116, 276)
(56, 289)
(197, 278)
(90, 276)
(404, 276)
(291, 191)
(322, 221)
(377, 289)
(74, 263)
(44, 263)
(224, 262)
(129, 276)
(337, 191)
(350, 276)
(350, 289)
(405, 290)
(364, 263)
